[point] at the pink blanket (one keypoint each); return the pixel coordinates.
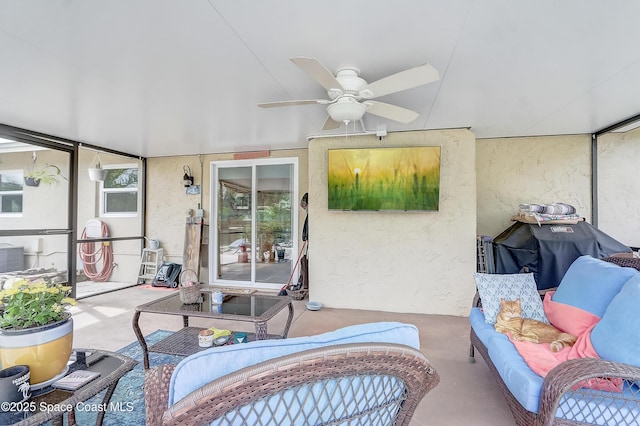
(570, 320)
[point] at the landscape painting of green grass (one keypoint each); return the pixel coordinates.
(384, 178)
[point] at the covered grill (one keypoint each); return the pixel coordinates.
(548, 250)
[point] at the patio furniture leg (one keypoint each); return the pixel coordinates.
(105, 402)
(261, 330)
(289, 320)
(140, 337)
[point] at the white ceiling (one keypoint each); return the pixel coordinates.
(167, 77)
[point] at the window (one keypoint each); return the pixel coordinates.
(11, 192)
(119, 191)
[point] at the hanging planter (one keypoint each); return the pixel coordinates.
(29, 181)
(97, 173)
(47, 175)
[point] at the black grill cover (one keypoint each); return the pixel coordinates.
(549, 250)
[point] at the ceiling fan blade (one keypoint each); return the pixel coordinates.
(330, 124)
(292, 103)
(318, 72)
(391, 112)
(403, 80)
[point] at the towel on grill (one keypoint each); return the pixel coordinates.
(551, 209)
(554, 213)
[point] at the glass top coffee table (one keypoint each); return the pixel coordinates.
(238, 307)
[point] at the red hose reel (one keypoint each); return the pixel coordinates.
(96, 253)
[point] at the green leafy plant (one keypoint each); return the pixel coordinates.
(48, 175)
(34, 303)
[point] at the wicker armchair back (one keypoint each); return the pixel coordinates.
(388, 380)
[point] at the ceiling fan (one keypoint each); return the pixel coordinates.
(350, 96)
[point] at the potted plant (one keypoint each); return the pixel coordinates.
(36, 327)
(97, 173)
(48, 175)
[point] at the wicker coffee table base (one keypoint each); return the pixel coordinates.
(185, 342)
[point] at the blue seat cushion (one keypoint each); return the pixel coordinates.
(523, 383)
(590, 284)
(203, 367)
(483, 329)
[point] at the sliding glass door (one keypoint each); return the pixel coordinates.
(256, 221)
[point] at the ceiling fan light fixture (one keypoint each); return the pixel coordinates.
(346, 111)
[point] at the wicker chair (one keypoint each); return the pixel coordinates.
(562, 396)
(624, 259)
(366, 384)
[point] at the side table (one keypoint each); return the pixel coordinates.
(50, 404)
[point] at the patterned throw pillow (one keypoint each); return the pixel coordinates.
(493, 287)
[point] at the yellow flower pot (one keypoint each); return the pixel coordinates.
(44, 349)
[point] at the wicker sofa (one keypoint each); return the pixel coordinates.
(367, 374)
(569, 394)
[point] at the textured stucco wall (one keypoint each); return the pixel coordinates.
(419, 262)
(167, 202)
(511, 171)
(619, 186)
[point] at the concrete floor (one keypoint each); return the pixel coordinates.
(467, 393)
